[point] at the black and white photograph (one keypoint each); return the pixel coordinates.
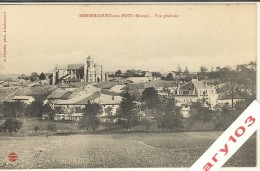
(124, 86)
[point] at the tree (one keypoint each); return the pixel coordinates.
(118, 73)
(127, 113)
(147, 123)
(130, 73)
(11, 125)
(187, 78)
(47, 109)
(34, 76)
(229, 77)
(110, 117)
(78, 109)
(201, 112)
(179, 70)
(156, 74)
(169, 77)
(90, 120)
(227, 115)
(186, 71)
(13, 109)
(36, 129)
(42, 76)
(35, 109)
(240, 106)
(23, 76)
(150, 97)
(247, 81)
(109, 113)
(203, 72)
(170, 117)
(203, 69)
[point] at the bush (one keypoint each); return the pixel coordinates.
(36, 128)
(147, 123)
(222, 124)
(11, 125)
(51, 127)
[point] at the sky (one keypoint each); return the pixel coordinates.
(42, 36)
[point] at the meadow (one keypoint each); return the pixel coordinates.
(117, 150)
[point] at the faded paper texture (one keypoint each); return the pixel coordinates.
(123, 86)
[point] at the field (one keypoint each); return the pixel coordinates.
(116, 150)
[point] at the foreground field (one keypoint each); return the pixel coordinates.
(116, 150)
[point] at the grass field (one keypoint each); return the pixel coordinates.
(116, 150)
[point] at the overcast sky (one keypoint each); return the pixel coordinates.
(39, 37)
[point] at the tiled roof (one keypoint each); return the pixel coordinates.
(199, 84)
(112, 93)
(81, 84)
(109, 100)
(138, 79)
(75, 66)
(187, 86)
(22, 97)
(89, 98)
(161, 83)
(133, 86)
(105, 85)
(70, 66)
(66, 95)
(57, 94)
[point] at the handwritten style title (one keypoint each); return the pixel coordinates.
(129, 15)
(4, 47)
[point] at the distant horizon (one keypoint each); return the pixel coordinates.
(182, 67)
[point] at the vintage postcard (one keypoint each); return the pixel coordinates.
(124, 86)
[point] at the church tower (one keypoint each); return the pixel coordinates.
(89, 70)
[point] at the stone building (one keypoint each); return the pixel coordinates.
(84, 72)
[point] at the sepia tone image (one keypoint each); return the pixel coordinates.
(123, 86)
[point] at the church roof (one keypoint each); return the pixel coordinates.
(69, 67)
(75, 66)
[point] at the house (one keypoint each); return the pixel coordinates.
(196, 90)
(108, 101)
(24, 99)
(80, 99)
(192, 91)
(164, 88)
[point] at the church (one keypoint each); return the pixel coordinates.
(83, 72)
